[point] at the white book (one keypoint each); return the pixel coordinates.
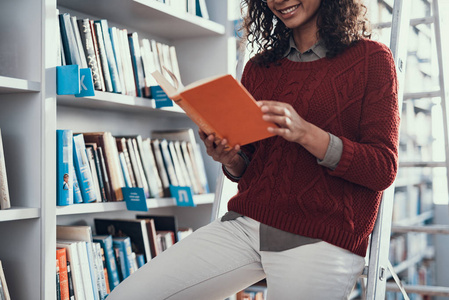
(72, 257)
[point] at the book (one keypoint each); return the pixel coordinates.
(115, 43)
(3, 285)
(75, 268)
(204, 102)
(149, 166)
(106, 183)
(94, 171)
(98, 171)
(136, 57)
(122, 245)
(58, 282)
(155, 144)
(140, 231)
(109, 51)
(127, 62)
(103, 57)
(61, 257)
(5, 201)
(89, 50)
(99, 270)
(168, 162)
(111, 263)
(77, 197)
(125, 161)
(70, 280)
(82, 169)
(79, 44)
(64, 163)
(136, 162)
(70, 46)
(97, 55)
(163, 223)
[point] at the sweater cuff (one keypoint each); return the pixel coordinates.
(333, 153)
(237, 178)
(346, 158)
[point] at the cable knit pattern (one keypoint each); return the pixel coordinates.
(353, 96)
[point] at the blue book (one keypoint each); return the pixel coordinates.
(116, 85)
(64, 163)
(136, 57)
(72, 56)
(82, 168)
(140, 260)
(123, 245)
(77, 198)
(109, 256)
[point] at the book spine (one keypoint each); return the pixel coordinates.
(79, 44)
(89, 51)
(64, 161)
(92, 269)
(83, 173)
(97, 55)
(161, 167)
(58, 281)
(99, 174)
(85, 270)
(61, 257)
(111, 264)
(137, 62)
(93, 169)
(77, 197)
(118, 57)
(70, 282)
(140, 167)
(103, 57)
(101, 280)
(5, 202)
(105, 177)
(115, 80)
(68, 40)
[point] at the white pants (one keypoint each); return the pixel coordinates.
(223, 258)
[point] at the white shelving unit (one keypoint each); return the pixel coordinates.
(30, 113)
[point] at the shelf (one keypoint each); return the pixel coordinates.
(19, 213)
(148, 16)
(415, 220)
(87, 208)
(10, 85)
(118, 102)
(402, 266)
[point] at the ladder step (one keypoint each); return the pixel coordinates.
(413, 22)
(430, 229)
(420, 289)
(420, 95)
(422, 164)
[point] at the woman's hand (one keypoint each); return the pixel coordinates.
(293, 128)
(220, 152)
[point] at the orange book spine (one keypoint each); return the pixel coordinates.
(61, 256)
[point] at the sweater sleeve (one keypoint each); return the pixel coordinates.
(372, 160)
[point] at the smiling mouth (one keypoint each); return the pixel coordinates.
(289, 10)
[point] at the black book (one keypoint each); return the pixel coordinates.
(99, 171)
(104, 172)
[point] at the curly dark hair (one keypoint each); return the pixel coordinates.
(341, 23)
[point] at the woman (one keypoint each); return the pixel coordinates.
(308, 197)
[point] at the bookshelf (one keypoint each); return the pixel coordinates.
(30, 113)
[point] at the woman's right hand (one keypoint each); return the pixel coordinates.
(220, 152)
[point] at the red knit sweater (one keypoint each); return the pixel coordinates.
(353, 96)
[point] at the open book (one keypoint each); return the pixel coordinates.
(219, 105)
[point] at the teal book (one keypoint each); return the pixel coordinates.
(123, 246)
(82, 169)
(109, 256)
(77, 198)
(64, 164)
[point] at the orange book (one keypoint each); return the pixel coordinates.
(219, 105)
(61, 256)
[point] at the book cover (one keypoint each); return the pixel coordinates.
(141, 232)
(61, 257)
(82, 169)
(123, 246)
(5, 201)
(89, 51)
(109, 51)
(64, 163)
(111, 263)
(205, 101)
(4, 286)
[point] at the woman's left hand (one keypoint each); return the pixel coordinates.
(291, 126)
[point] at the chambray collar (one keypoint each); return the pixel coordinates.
(318, 50)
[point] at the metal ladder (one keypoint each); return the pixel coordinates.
(378, 268)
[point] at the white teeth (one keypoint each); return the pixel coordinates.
(289, 10)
